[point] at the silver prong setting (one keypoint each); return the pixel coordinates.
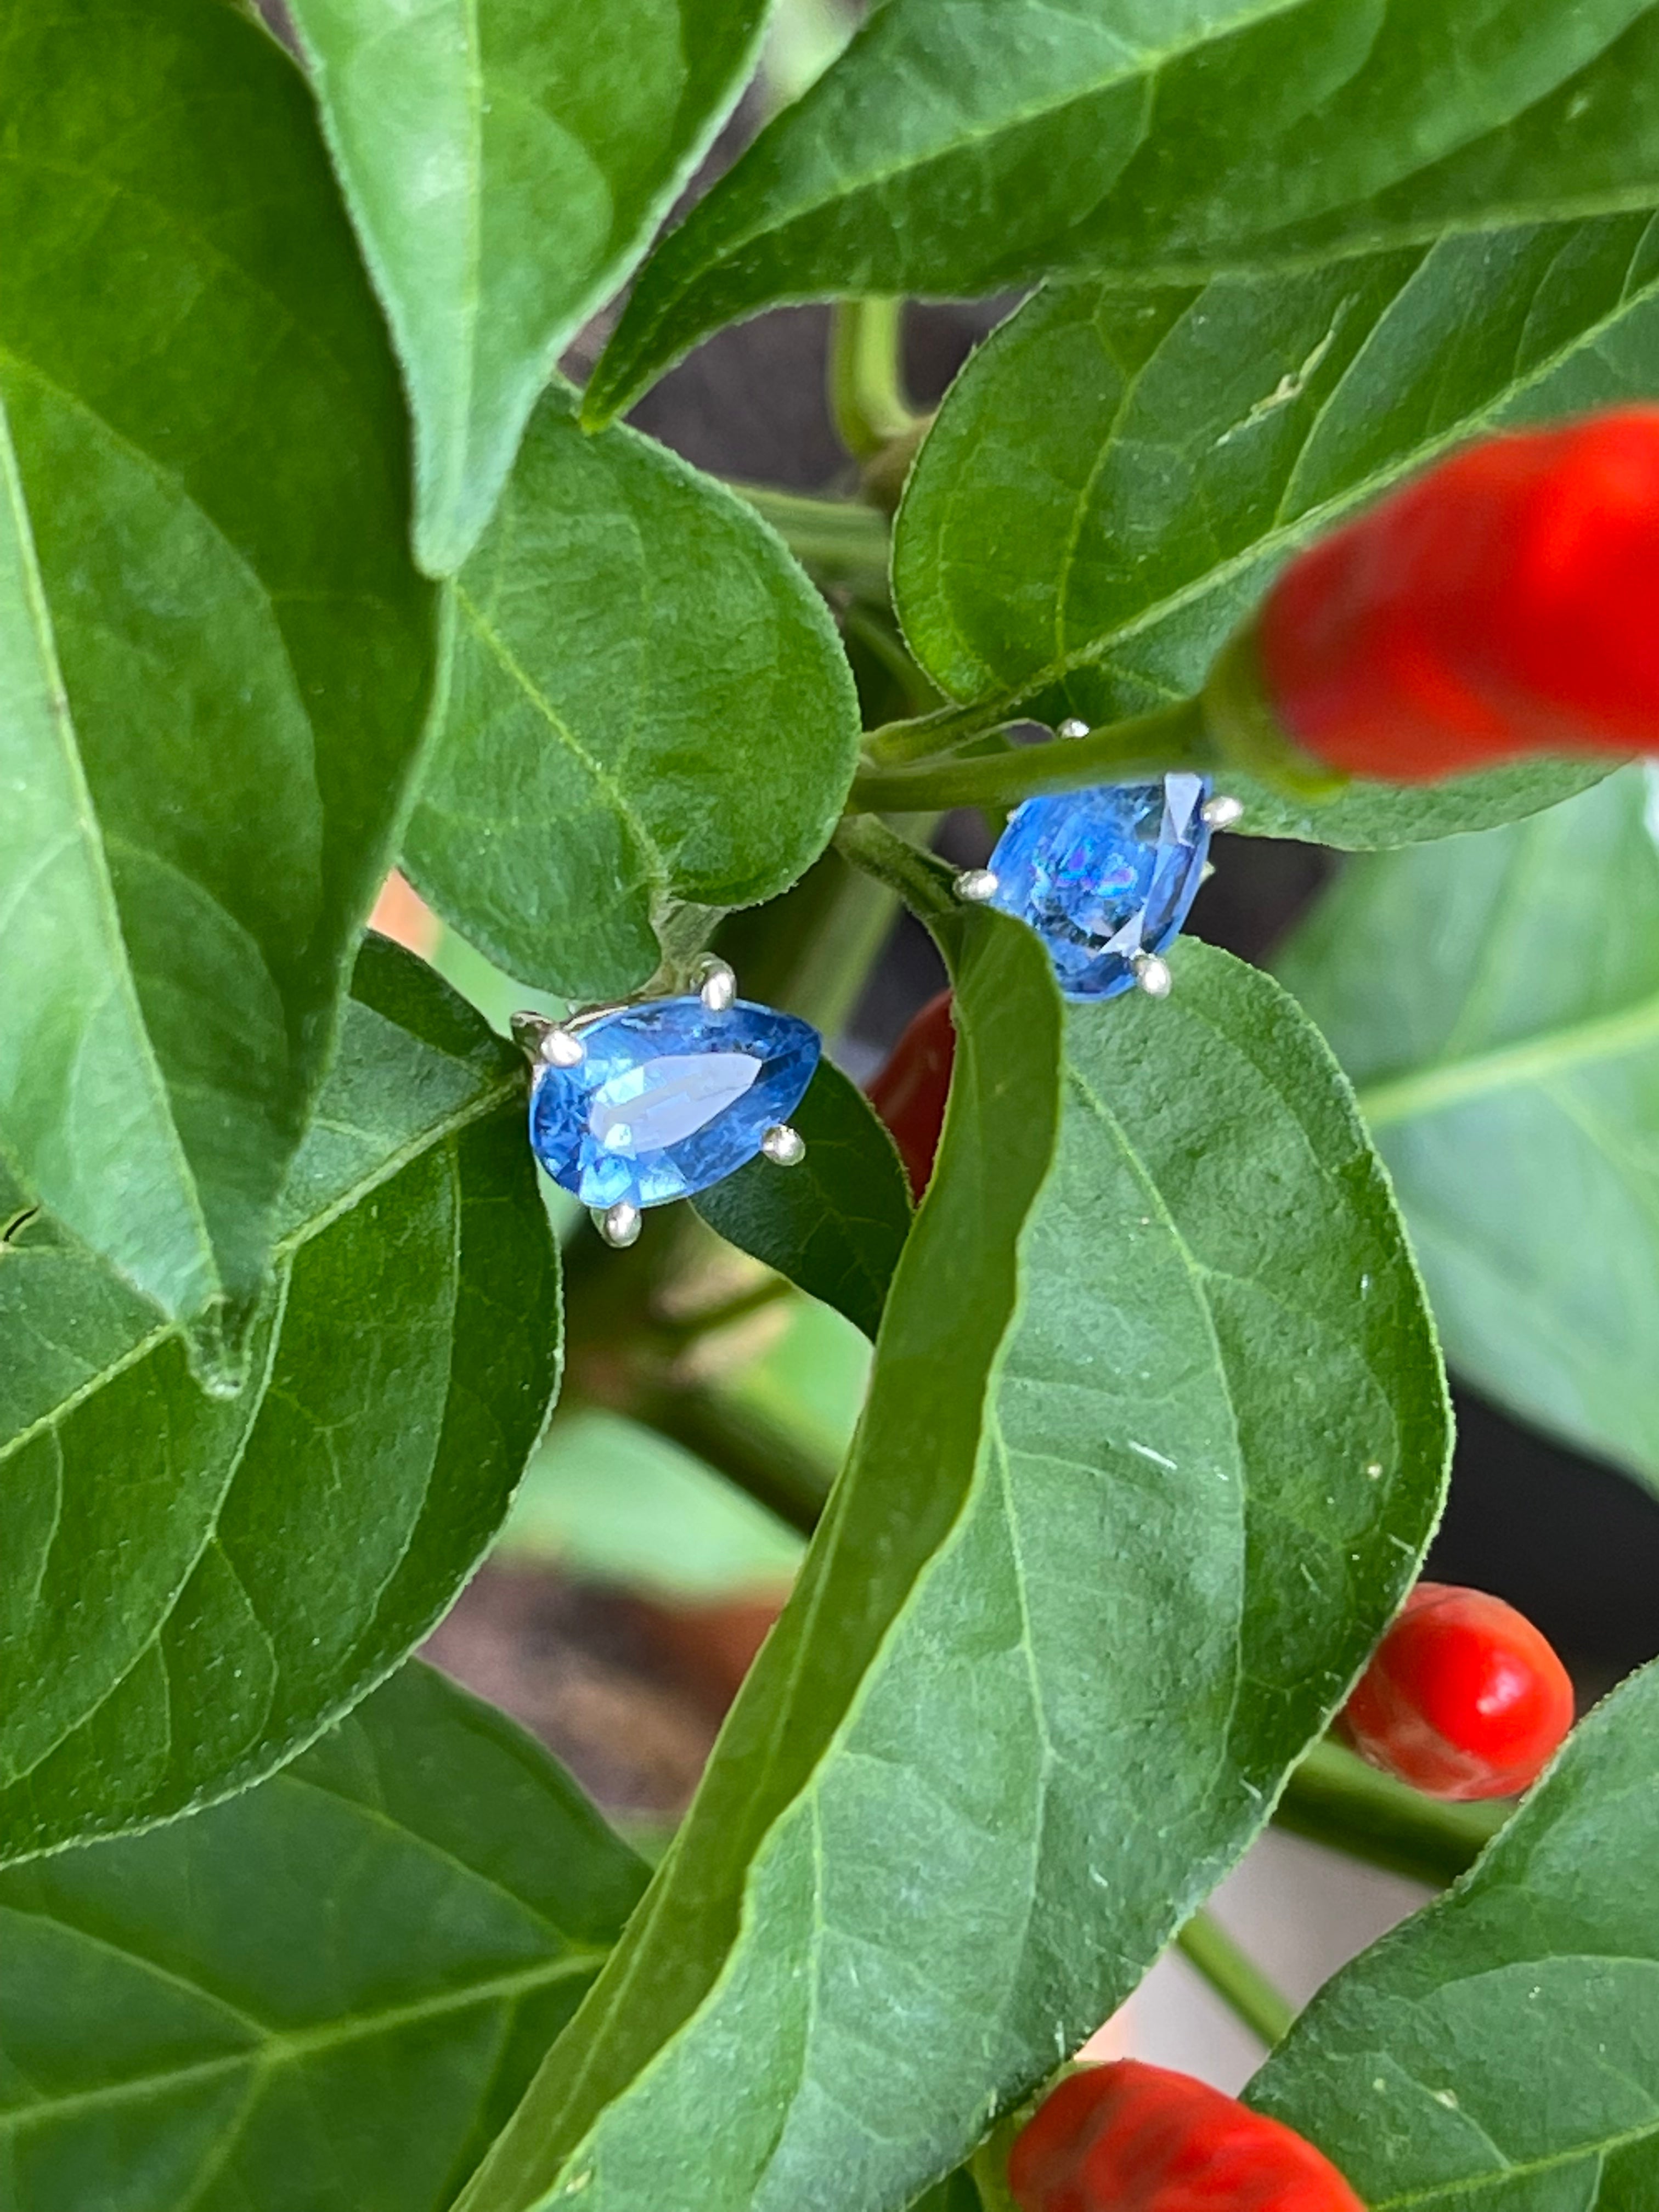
(559, 1048)
(1072, 726)
(1222, 812)
(1151, 975)
(619, 1224)
(976, 886)
(784, 1147)
(717, 983)
(548, 1042)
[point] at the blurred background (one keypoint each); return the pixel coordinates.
(635, 1581)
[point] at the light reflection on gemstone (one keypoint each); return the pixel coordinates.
(669, 1097)
(1104, 874)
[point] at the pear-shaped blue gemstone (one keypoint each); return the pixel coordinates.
(1103, 874)
(668, 1097)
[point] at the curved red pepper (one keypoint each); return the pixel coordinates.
(910, 1092)
(1130, 2137)
(1463, 1697)
(1506, 603)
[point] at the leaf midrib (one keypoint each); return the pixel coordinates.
(1444, 1084)
(284, 2047)
(497, 646)
(386, 1170)
(89, 838)
(1462, 2187)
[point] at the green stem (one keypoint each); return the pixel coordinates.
(925, 736)
(840, 541)
(675, 1330)
(1149, 745)
(1335, 1799)
(761, 1457)
(1236, 1979)
(924, 884)
(867, 394)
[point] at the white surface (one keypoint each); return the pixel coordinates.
(1300, 1912)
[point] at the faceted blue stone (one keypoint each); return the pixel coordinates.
(669, 1097)
(1103, 874)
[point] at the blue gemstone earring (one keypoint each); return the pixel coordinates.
(1105, 876)
(635, 1104)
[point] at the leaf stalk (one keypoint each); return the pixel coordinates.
(866, 390)
(1236, 1979)
(1145, 747)
(1335, 1799)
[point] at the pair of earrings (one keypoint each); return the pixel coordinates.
(633, 1105)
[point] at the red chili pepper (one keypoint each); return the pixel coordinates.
(911, 1091)
(1130, 2137)
(1463, 1697)
(1506, 603)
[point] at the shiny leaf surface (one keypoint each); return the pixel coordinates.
(649, 704)
(1114, 481)
(327, 1992)
(505, 161)
(216, 657)
(194, 1585)
(960, 146)
(834, 1225)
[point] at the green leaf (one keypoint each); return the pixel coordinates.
(196, 1585)
(1155, 1436)
(959, 146)
(649, 703)
(834, 1225)
(505, 162)
(1496, 1002)
(1501, 2047)
(327, 1993)
(1114, 481)
(216, 658)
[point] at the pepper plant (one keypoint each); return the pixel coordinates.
(312, 561)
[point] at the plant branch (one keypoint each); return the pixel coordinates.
(925, 736)
(675, 1330)
(763, 1459)
(1145, 747)
(1236, 1979)
(840, 541)
(924, 884)
(1335, 1799)
(866, 393)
